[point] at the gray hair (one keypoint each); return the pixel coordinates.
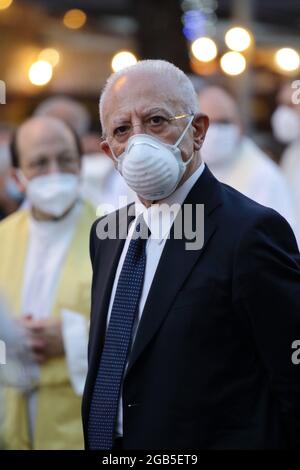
(187, 93)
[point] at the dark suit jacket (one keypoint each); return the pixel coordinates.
(211, 364)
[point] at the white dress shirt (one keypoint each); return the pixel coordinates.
(48, 245)
(290, 164)
(159, 225)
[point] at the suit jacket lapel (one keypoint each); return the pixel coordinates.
(175, 265)
(108, 259)
(105, 265)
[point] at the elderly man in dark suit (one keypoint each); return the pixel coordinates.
(191, 343)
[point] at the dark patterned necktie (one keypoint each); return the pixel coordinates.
(106, 393)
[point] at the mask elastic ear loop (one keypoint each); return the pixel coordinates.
(189, 160)
(117, 160)
(22, 177)
(113, 154)
(184, 131)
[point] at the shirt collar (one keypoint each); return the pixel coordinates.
(160, 217)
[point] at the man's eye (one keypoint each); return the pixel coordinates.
(223, 121)
(41, 163)
(66, 160)
(121, 130)
(157, 120)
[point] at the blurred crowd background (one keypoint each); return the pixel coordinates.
(243, 58)
(68, 48)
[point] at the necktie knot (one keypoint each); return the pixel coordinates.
(141, 230)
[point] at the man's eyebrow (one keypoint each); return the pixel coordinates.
(44, 157)
(37, 159)
(65, 152)
(156, 110)
(146, 112)
(119, 121)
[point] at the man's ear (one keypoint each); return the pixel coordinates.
(104, 146)
(18, 177)
(200, 126)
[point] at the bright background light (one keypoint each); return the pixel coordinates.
(123, 59)
(40, 73)
(74, 19)
(204, 49)
(5, 4)
(50, 55)
(287, 59)
(233, 63)
(238, 39)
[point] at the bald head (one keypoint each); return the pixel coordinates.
(42, 130)
(219, 106)
(73, 113)
(45, 144)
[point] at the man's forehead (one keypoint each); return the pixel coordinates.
(218, 105)
(32, 150)
(38, 134)
(215, 113)
(144, 109)
(50, 140)
(140, 95)
(152, 80)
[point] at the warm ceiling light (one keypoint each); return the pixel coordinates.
(74, 19)
(5, 4)
(204, 49)
(287, 59)
(40, 73)
(123, 59)
(50, 55)
(233, 63)
(238, 39)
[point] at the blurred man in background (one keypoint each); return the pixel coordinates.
(10, 196)
(67, 110)
(236, 160)
(101, 184)
(286, 128)
(45, 275)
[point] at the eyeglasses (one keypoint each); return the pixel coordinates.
(180, 116)
(154, 124)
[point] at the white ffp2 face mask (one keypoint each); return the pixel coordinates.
(285, 123)
(151, 167)
(53, 194)
(220, 143)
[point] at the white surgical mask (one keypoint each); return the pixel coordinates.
(53, 194)
(96, 168)
(220, 143)
(152, 168)
(285, 123)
